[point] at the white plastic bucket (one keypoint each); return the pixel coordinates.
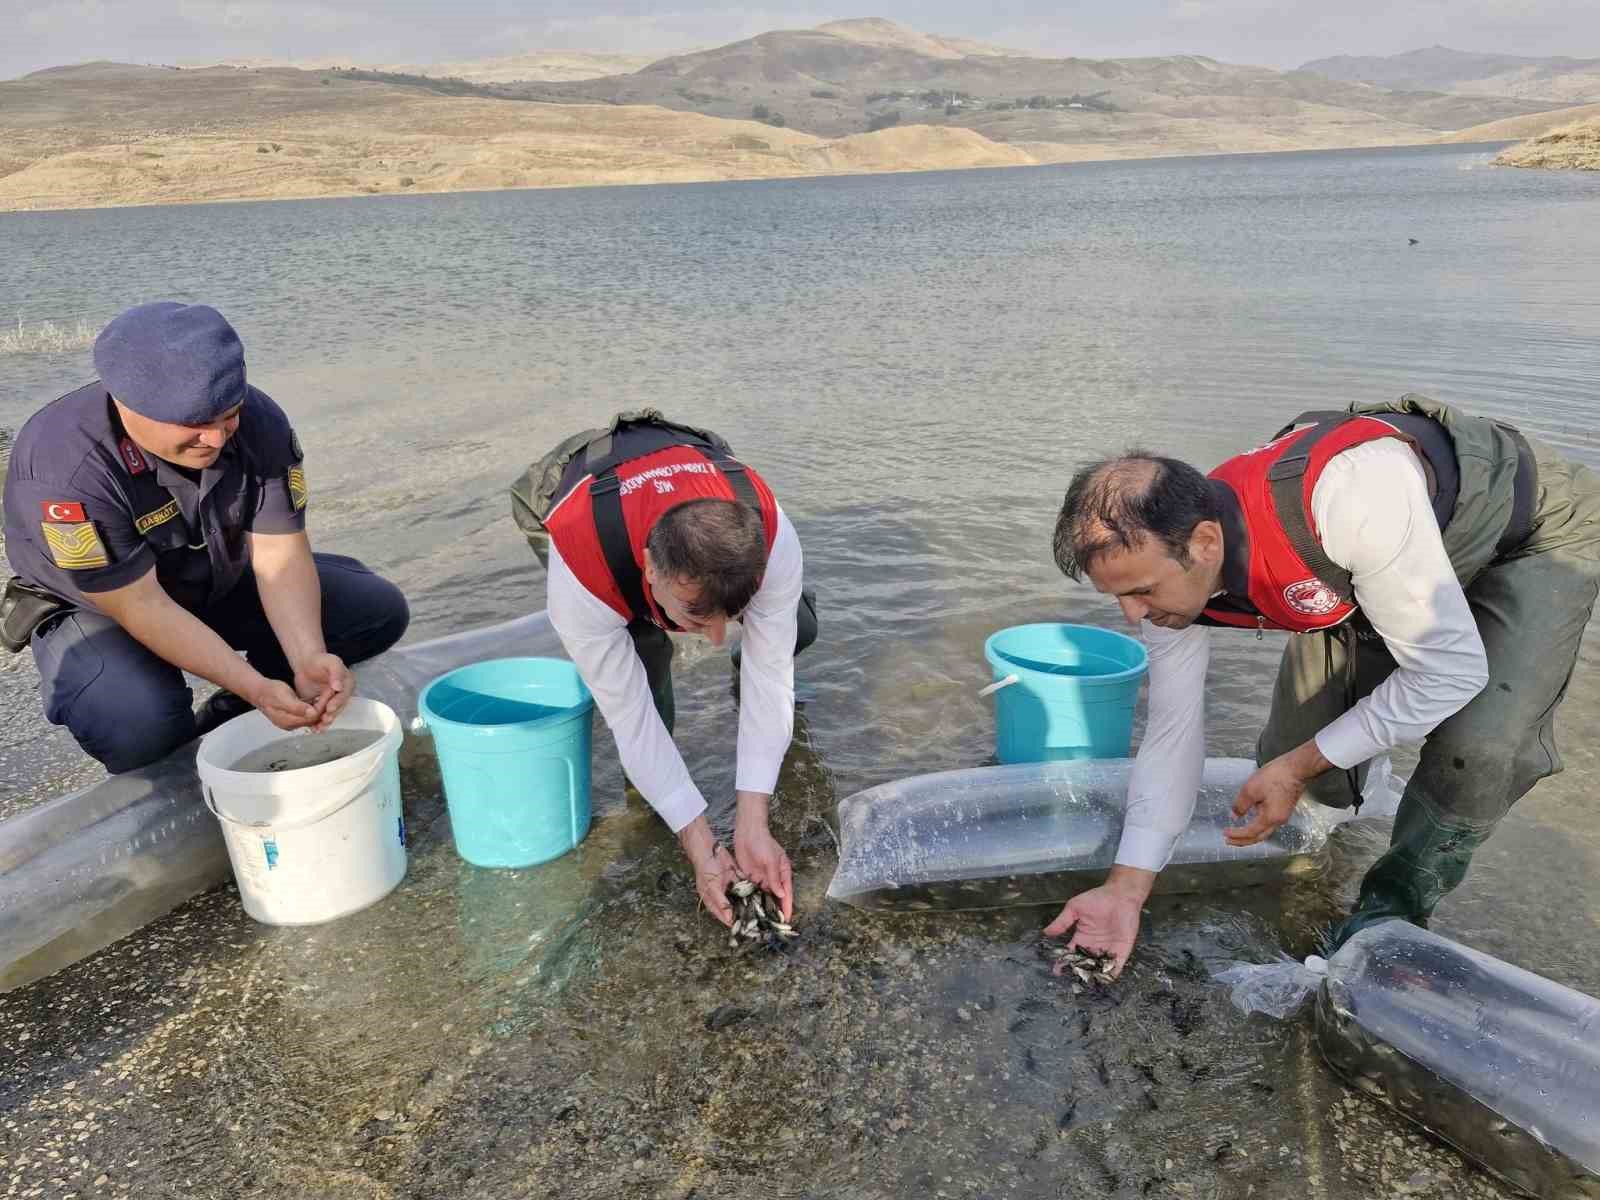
(316, 843)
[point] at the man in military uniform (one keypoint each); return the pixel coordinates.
(1437, 570)
(156, 522)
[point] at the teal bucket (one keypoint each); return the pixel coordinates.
(1074, 692)
(513, 738)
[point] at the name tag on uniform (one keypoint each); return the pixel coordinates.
(161, 516)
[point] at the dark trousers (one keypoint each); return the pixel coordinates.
(1531, 611)
(128, 708)
(654, 648)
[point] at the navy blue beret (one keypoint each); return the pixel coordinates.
(180, 363)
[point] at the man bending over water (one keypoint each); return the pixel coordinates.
(648, 527)
(1437, 570)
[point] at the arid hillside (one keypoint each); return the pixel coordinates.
(850, 97)
(1574, 147)
(875, 31)
(851, 76)
(1525, 127)
(554, 67)
(112, 135)
(1440, 69)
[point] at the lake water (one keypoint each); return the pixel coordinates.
(915, 363)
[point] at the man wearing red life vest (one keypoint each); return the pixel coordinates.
(655, 527)
(1437, 571)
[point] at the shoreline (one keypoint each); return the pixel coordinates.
(1574, 147)
(1072, 160)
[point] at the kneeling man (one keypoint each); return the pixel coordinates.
(156, 522)
(1437, 571)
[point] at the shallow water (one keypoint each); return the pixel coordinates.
(299, 751)
(915, 364)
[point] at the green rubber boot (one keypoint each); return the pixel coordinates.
(1428, 856)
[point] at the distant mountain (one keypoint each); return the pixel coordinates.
(552, 66)
(1440, 69)
(111, 134)
(854, 75)
(875, 31)
(855, 96)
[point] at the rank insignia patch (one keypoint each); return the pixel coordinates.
(160, 517)
(298, 493)
(75, 547)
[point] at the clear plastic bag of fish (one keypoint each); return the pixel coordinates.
(1038, 833)
(1501, 1063)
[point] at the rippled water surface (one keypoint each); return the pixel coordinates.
(915, 363)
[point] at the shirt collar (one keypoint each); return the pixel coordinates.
(170, 476)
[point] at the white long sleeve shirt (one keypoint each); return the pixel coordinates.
(1374, 519)
(597, 641)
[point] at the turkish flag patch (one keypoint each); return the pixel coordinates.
(62, 511)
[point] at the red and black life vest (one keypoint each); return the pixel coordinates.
(1275, 573)
(608, 507)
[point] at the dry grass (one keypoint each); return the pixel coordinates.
(46, 337)
(379, 140)
(1532, 126)
(1571, 147)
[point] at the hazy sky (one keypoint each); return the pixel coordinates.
(1280, 33)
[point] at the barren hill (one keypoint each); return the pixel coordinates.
(851, 97)
(1571, 147)
(834, 82)
(571, 66)
(875, 31)
(1525, 127)
(552, 66)
(1438, 68)
(107, 134)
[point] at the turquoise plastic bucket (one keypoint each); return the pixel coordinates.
(513, 739)
(1074, 695)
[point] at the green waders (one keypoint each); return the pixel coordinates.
(1531, 606)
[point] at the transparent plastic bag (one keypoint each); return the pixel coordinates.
(1036, 833)
(1499, 1062)
(1276, 989)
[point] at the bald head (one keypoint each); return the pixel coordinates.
(1121, 503)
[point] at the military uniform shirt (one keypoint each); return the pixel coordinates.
(87, 511)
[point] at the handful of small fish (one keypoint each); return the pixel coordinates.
(757, 918)
(1088, 965)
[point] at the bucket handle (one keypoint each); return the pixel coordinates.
(998, 684)
(355, 794)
